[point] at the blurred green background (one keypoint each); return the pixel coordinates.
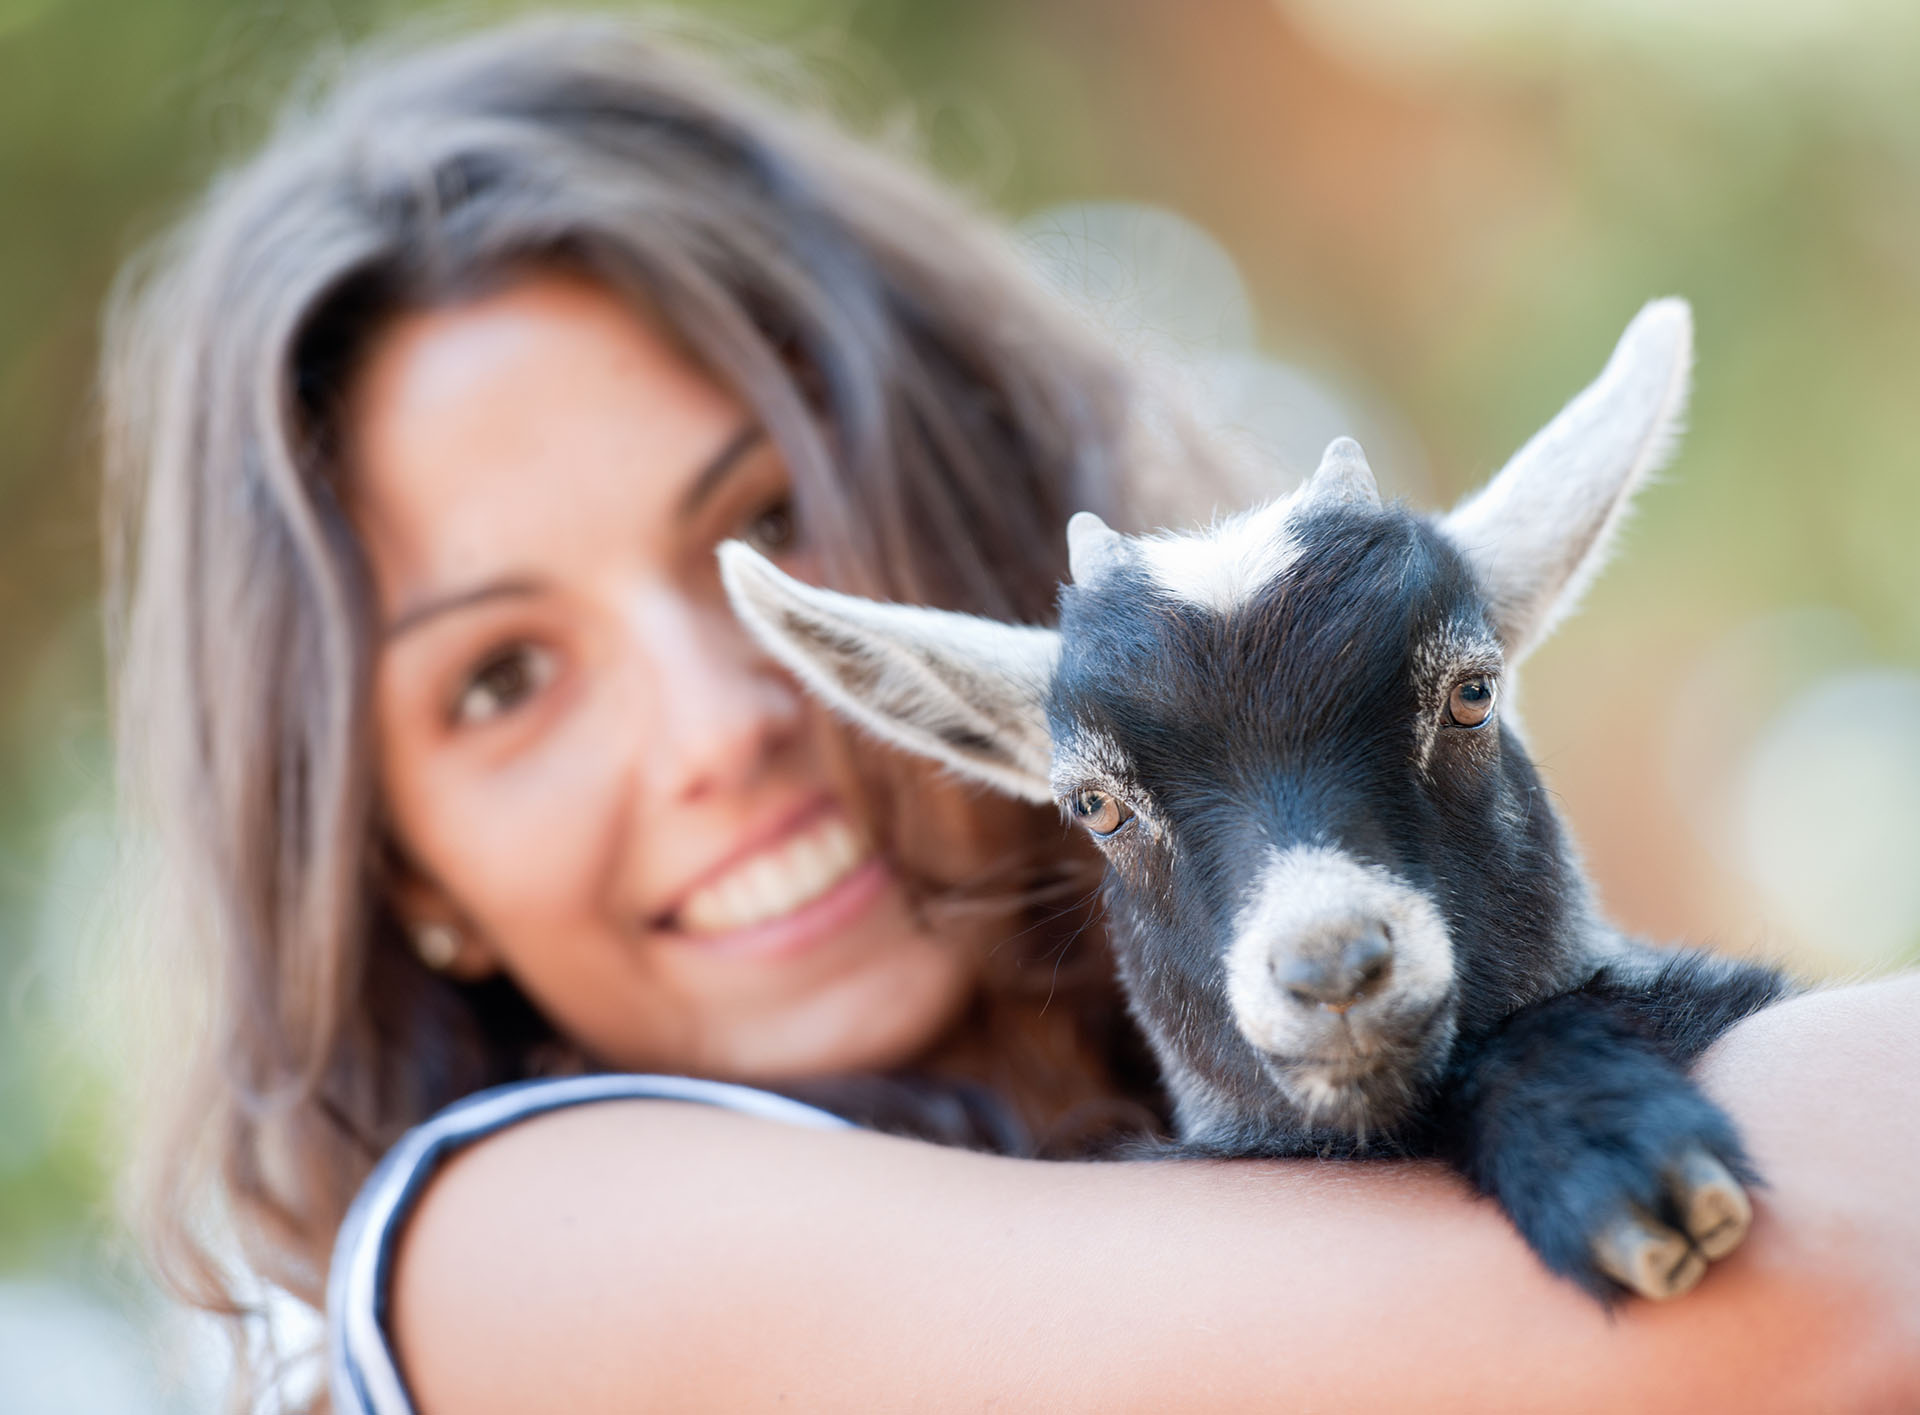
(1425, 220)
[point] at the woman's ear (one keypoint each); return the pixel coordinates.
(437, 932)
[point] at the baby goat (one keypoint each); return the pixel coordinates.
(1346, 914)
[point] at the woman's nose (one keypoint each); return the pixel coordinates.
(713, 712)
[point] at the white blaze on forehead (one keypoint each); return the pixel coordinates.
(1311, 896)
(1225, 565)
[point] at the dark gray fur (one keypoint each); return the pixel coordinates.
(1313, 714)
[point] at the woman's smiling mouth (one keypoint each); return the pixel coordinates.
(806, 883)
(775, 881)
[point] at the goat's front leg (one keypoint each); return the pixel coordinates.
(1685, 998)
(1610, 1161)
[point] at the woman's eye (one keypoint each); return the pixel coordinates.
(502, 683)
(1098, 812)
(772, 529)
(1471, 702)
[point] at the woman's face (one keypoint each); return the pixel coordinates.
(595, 776)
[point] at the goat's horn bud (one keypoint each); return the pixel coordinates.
(1092, 547)
(1344, 476)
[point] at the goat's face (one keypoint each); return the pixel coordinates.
(1327, 849)
(1328, 852)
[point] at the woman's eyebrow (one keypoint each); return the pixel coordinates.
(416, 615)
(748, 436)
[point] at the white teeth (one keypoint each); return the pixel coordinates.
(777, 881)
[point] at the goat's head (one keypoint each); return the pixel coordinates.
(1291, 737)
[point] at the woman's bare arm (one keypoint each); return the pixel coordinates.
(627, 1257)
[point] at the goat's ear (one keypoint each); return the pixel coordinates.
(1538, 532)
(969, 692)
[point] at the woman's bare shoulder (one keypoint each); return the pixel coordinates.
(628, 1255)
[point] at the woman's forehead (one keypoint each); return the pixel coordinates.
(523, 430)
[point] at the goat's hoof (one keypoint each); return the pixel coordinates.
(1712, 1206)
(1645, 1256)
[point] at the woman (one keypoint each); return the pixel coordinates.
(424, 432)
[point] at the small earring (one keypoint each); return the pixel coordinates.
(437, 944)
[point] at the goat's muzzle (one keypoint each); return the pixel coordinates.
(1340, 976)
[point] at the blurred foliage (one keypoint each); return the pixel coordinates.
(1450, 209)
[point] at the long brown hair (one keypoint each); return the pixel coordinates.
(939, 417)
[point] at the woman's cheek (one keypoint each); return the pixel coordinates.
(540, 831)
(514, 821)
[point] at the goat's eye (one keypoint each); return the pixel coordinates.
(1098, 812)
(1471, 702)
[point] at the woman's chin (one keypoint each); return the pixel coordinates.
(882, 994)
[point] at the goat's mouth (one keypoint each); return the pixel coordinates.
(1368, 1077)
(1355, 1099)
(1361, 1042)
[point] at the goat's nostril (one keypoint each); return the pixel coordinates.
(1337, 976)
(1306, 994)
(1305, 980)
(1367, 958)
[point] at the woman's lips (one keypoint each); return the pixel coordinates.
(801, 889)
